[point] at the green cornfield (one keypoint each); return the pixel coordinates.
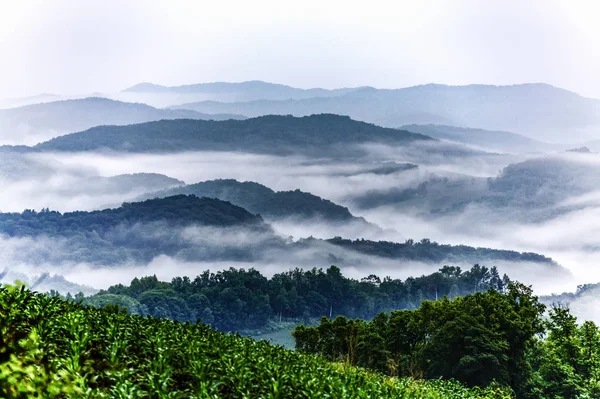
(51, 348)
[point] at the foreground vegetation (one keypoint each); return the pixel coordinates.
(482, 339)
(53, 348)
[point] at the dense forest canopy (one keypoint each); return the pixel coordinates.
(137, 232)
(495, 338)
(482, 339)
(239, 299)
(175, 211)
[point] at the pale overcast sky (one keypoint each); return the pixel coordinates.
(82, 46)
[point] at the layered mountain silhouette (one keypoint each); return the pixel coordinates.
(539, 111)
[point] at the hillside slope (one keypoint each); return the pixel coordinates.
(192, 229)
(316, 134)
(181, 226)
(180, 210)
(260, 199)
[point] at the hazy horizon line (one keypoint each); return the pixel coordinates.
(99, 93)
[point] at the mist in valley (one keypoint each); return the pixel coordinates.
(58, 181)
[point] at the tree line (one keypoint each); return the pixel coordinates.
(240, 299)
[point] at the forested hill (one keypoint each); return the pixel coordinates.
(180, 210)
(204, 229)
(176, 211)
(316, 134)
(185, 227)
(429, 251)
(260, 199)
(534, 190)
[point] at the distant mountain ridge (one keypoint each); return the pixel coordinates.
(434, 252)
(248, 90)
(539, 111)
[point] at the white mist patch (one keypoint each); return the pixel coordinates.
(336, 181)
(441, 156)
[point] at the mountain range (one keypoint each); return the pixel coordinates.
(194, 229)
(242, 91)
(538, 111)
(541, 112)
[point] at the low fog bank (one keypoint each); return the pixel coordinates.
(36, 181)
(331, 179)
